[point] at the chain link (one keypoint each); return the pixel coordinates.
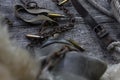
(44, 35)
(60, 29)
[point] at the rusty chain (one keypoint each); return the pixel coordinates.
(43, 35)
(63, 28)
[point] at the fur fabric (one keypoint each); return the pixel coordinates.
(112, 73)
(15, 63)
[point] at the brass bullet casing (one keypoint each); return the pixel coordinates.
(63, 2)
(75, 44)
(33, 36)
(55, 15)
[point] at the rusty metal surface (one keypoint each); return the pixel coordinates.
(81, 32)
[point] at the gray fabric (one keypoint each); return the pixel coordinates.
(81, 32)
(79, 65)
(62, 76)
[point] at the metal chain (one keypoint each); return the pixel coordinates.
(44, 35)
(60, 29)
